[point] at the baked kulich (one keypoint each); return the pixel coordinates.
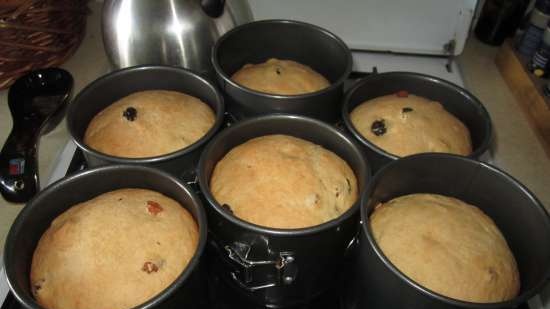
(114, 251)
(282, 77)
(447, 246)
(282, 181)
(404, 124)
(148, 124)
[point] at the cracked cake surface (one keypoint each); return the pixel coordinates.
(404, 124)
(282, 181)
(447, 246)
(282, 77)
(149, 123)
(114, 251)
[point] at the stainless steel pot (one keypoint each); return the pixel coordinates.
(374, 282)
(284, 39)
(456, 100)
(172, 32)
(116, 85)
(189, 290)
(279, 267)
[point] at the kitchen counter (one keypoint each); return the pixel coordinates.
(516, 150)
(85, 65)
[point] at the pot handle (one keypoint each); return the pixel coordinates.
(213, 8)
(277, 272)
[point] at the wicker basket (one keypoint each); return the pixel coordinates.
(38, 34)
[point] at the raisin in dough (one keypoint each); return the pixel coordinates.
(404, 124)
(283, 182)
(114, 251)
(283, 77)
(447, 246)
(149, 123)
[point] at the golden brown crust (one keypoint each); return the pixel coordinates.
(447, 246)
(283, 77)
(164, 122)
(284, 182)
(116, 251)
(413, 125)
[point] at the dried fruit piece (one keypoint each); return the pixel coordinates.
(378, 127)
(407, 110)
(278, 71)
(227, 208)
(130, 114)
(150, 267)
(402, 93)
(37, 286)
(493, 275)
(153, 207)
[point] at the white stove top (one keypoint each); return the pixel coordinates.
(385, 62)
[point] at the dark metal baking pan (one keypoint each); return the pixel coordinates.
(308, 44)
(118, 84)
(376, 283)
(456, 100)
(188, 290)
(312, 257)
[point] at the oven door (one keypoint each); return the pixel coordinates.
(404, 26)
